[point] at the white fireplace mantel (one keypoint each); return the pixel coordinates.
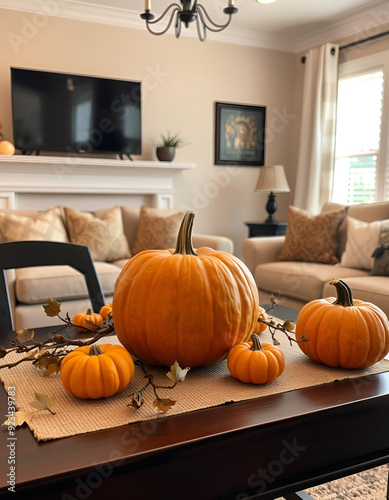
(23, 178)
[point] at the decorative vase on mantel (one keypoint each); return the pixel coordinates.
(166, 153)
(166, 149)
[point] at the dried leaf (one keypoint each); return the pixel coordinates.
(32, 355)
(59, 337)
(41, 357)
(53, 308)
(304, 337)
(177, 374)
(3, 351)
(276, 342)
(52, 367)
(48, 364)
(24, 335)
(136, 400)
(43, 402)
(18, 418)
(164, 404)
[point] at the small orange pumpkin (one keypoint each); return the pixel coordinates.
(343, 332)
(259, 326)
(105, 311)
(255, 363)
(93, 372)
(87, 320)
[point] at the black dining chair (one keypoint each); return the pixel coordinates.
(17, 254)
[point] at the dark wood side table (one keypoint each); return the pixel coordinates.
(263, 229)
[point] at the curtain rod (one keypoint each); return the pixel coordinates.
(352, 44)
(363, 40)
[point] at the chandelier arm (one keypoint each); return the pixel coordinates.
(158, 33)
(178, 26)
(217, 27)
(202, 35)
(174, 6)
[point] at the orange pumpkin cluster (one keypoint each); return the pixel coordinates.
(88, 320)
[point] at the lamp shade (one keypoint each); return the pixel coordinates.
(272, 178)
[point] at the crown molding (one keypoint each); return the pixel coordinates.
(78, 10)
(362, 24)
(356, 25)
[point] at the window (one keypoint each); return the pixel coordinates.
(361, 173)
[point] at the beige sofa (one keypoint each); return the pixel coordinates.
(112, 234)
(299, 282)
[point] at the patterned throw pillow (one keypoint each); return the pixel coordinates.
(157, 229)
(103, 235)
(312, 238)
(362, 239)
(46, 226)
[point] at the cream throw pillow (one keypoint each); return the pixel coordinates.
(46, 226)
(103, 235)
(312, 238)
(157, 229)
(362, 240)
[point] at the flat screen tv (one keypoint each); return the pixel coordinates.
(74, 113)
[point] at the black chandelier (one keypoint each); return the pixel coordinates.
(187, 13)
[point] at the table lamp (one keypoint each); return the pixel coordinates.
(272, 178)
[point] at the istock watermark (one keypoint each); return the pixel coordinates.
(262, 477)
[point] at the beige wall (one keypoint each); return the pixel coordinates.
(182, 79)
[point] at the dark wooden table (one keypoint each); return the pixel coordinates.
(263, 229)
(262, 448)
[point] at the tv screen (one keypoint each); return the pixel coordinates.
(73, 113)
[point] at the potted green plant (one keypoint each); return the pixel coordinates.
(166, 148)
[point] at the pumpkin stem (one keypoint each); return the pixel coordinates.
(345, 296)
(89, 311)
(95, 350)
(184, 239)
(256, 343)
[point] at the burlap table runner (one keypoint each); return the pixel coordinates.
(202, 388)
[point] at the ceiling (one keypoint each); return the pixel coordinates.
(286, 24)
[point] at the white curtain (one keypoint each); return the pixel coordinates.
(317, 140)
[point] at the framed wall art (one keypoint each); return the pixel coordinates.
(239, 134)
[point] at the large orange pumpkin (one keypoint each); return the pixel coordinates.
(261, 327)
(185, 306)
(343, 332)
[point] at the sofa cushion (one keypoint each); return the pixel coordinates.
(367, 212)
(33, 226)
(372, 289)
(130, 216)
(34, 285)
(102, 232)
(301, 280)
(157, 229)
(362, 240)
(312, 238)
